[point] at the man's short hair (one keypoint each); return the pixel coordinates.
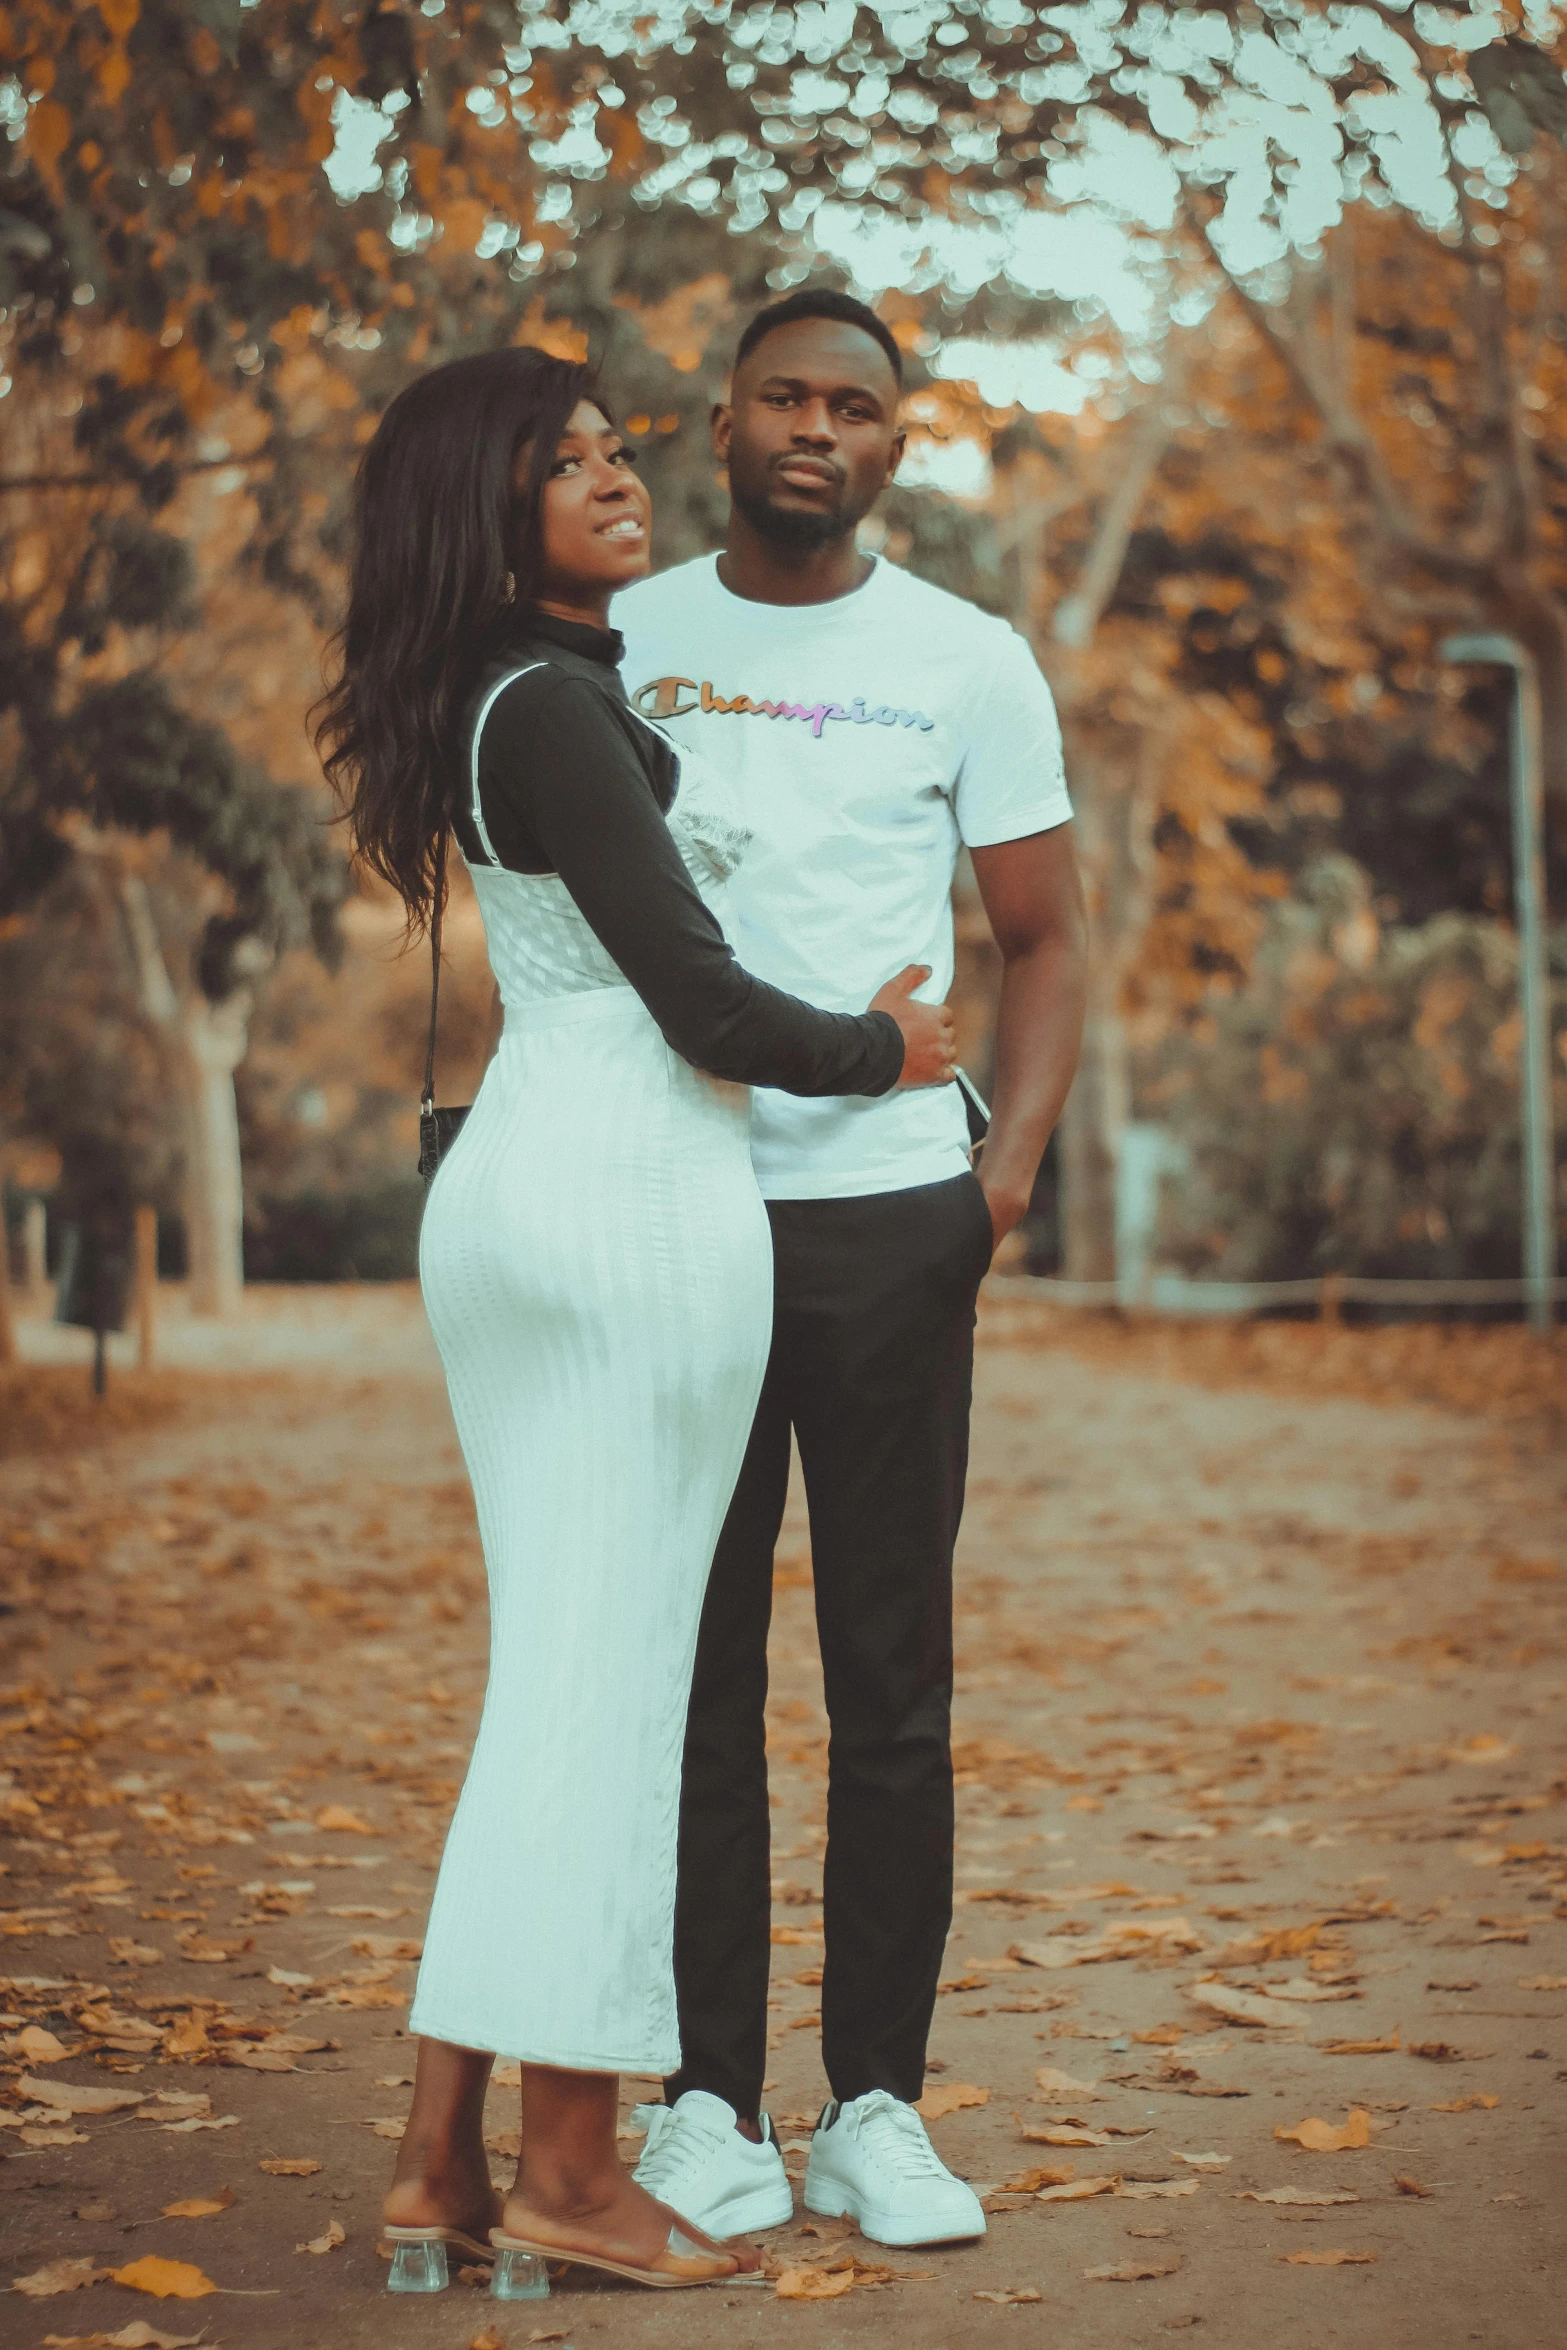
(822, 302)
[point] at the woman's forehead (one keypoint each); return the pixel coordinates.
(588, 421)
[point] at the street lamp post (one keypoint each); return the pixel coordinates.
(1528, 801)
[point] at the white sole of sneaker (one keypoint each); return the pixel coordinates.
(880, 2227)
(770, 2206)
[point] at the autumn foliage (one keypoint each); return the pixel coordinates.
(227, 235)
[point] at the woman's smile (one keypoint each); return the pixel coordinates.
(596, 519)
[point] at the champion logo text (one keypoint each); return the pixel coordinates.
(677, 697)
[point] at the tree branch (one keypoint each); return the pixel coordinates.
(1037, 515)
(1507, 503)
(158, 999)
(1078, 615)
(1358, 457)
(127, 481)
(1341, 299)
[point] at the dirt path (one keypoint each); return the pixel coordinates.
(1260, 1711)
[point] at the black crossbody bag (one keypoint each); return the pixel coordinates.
(438, 1129)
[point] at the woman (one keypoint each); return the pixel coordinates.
(595, 1260)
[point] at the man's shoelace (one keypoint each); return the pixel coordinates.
(896, 2135)
(682, 2142)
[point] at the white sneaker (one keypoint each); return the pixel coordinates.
(872, 2162)
(696, 2161)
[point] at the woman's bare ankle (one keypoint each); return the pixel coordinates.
(442, 2187)
(566, 2193)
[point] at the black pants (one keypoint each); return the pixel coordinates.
(872, 1363)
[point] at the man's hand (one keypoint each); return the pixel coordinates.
(1008, 1206)
(1033, 900)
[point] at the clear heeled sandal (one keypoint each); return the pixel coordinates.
(518, 2275)
(419, 2257)
(680, 2263)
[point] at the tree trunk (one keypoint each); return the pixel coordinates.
(1115, 794)
(1091, 1128)
(208, 1041)
(1113, 762)
(35, 1255)
(8, 1351)
(212, 1044)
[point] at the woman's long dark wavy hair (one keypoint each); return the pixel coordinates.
(438, 526)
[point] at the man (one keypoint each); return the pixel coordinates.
(872, 724)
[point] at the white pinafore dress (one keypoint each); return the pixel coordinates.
(597, 1269)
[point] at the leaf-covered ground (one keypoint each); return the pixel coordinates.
(1259, 1966)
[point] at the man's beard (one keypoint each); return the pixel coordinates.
(797, 528)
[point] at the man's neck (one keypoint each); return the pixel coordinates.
(762, 572)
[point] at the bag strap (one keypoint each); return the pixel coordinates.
(476, 805)
(427, 1098)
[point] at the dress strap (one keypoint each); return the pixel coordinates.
(485, 707)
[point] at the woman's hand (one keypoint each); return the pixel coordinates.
(930, 1044)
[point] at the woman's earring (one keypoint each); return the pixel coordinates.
(511, 588)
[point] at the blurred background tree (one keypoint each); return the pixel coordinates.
(1236, 342)
(1355, 1107)
(82, 1064)
(100, 754)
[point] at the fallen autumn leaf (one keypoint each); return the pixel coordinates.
(950, 2097)
(202, 2206)
(1243, 2007)
(1066, 2134)
(36, 2045)
(57, 2276)
(1320, 2137)
(813, 2284)
(170, 2280)
(78, 2097)
(1131, 2272)
(1295, 2195)
(1058, 2086)
(138, 2335)
(328, 2241)
(1333, 2259)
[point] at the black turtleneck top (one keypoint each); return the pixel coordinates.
(572, 782)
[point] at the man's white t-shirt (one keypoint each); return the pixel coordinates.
(867, 739)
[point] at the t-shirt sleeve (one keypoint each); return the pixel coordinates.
(562, 759)
(1012, 780)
